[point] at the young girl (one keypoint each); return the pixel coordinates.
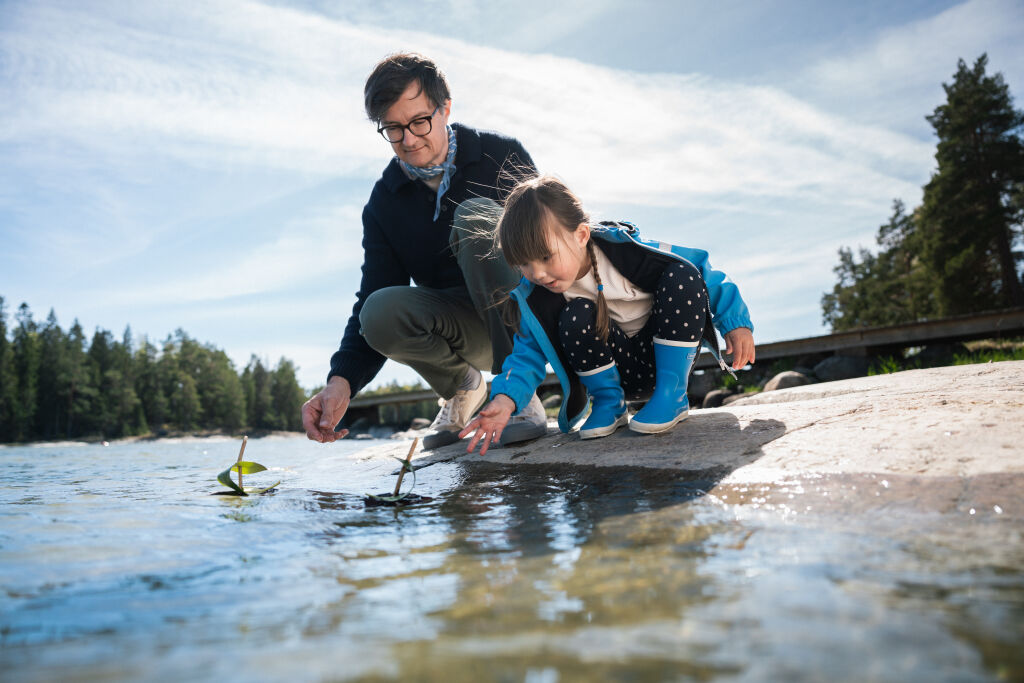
(615, 315)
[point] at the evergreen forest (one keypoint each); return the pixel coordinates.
(959, 252)
(57, 384)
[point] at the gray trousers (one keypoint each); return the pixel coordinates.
(440, 333)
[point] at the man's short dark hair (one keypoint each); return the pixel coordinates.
(392, 76)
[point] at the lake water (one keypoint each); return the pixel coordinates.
(116, 563)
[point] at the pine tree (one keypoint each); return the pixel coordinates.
(148, 386)
(888, 289)
(8, 382)
(104, 416)
(51, 414)
(287, 396)
(80, 392)
(26, 364)
(971, 214)
(125, 402)
(179, 366)
(259, 400)
(221, 392)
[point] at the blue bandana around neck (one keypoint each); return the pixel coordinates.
(447, 167)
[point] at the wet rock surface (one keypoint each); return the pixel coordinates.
(937, 427)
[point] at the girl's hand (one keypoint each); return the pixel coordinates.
(740, 343)
(489, 422)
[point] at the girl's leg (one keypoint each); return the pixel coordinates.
(634, 356)
(677, 325)
(593, 361)
(679, 305)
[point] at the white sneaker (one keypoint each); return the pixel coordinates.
(531, 423)
(455, 414)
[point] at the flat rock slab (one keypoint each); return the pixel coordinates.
(945, 424)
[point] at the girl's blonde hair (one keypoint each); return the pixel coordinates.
(522, 232)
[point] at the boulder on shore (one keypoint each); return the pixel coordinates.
(419, 423)
(701, 383)
(786, 380)
(552, 401)
(836, 368)
(715, 397)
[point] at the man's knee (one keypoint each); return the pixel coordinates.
(380, 316)
(472, 242)
(477, 214)
(474, 223)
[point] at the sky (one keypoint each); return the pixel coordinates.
(203, 166)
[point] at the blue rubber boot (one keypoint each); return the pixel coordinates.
(607, 403)
(668, 405)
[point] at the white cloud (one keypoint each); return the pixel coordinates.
(309, 252)
(897, 80)
(238, 91)
(292, 102)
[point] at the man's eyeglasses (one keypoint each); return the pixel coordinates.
(419, 127)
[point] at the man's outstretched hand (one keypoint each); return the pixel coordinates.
(324, 411)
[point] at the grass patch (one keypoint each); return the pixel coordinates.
(886, 366)
(990, 351)
(988, 356)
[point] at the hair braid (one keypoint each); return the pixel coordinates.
(601, 322)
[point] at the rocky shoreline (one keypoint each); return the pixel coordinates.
(955, 428)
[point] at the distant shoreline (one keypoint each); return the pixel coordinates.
(194, 435)
(376, 433)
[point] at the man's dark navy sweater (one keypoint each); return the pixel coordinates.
(403, 242)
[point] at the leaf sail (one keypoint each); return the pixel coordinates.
(407, 466)
(246, 467)
(225, 479)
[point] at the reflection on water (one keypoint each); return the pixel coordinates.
(116, 564)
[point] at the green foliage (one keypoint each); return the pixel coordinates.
(26, 367)
(286, 395)
(970, 213)
(888, 289)
(8, 382)
(953, 254)
(394, 387)
(272, 396)
(990, 355)
(56, 384)
(886, 366)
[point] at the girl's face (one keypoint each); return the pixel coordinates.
(566, 261)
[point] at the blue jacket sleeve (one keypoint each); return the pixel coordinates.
(522, 372)
(727, 305)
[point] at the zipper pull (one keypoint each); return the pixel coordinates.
(726, 368)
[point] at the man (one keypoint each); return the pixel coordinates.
(427, 221)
